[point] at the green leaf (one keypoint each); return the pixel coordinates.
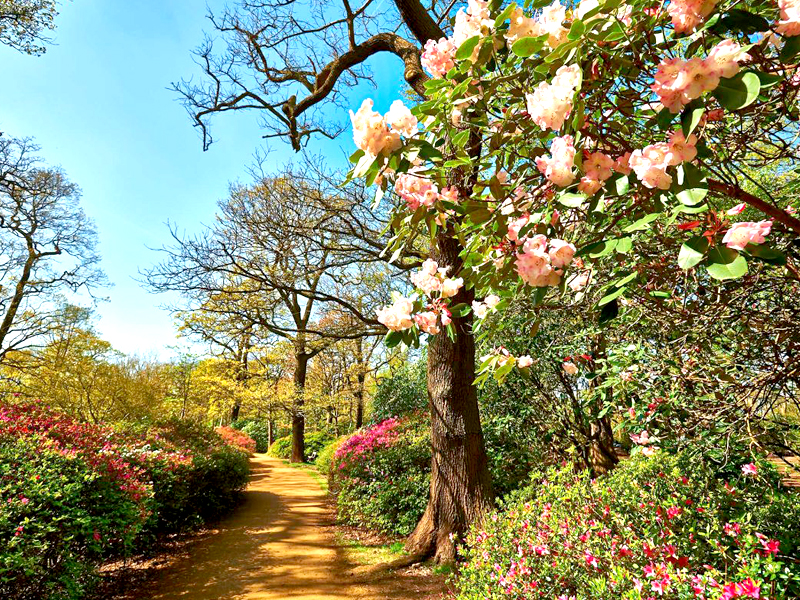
(363, 166)
(622, 184)
(356, 156)
(766, 254)
(528, 46)
(664, 118)
(690, 117)
(737, 92)
(571, 200)
(691, 184)
(503, 16)
(724, 263)
(465, 49)
(740, 21)
(460, 310)
(612, 296)
(692, 252)
(577, 30)
(641, 223)
(791, 48)
(392, 339)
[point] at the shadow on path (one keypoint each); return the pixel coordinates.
(275, 546)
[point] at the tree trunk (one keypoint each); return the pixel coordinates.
(360, 378)
(461, 489)
(235, 412)
(298, 417)
(601, 456)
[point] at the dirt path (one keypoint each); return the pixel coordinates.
(275, 546)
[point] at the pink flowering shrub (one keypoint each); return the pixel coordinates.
(73, 493)
(237, 439)
(655, 528)
(381, 475)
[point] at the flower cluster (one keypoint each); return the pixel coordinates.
(741, 234)
(437, 57)
(550, 103)
(371, 132)
(686, 15)
(397, 316)
(419, 191)
(649, 530)
(237, 439)
(678, 81)
(558, 166)
(541, 263)
(650, 163)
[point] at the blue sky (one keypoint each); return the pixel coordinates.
(99, 105)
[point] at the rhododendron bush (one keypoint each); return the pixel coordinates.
(555, 136)
(660, 527)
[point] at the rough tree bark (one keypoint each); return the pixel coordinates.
(600, 454)
(298, 416)
(461, 488)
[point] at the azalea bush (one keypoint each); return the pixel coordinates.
(326, 456)
(237, 439)
(381, 474)
(659, 527)
(58, 518)
(73, 494)
(258, 430)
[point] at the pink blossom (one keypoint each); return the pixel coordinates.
(741, 234)
(789, 24)
(598, 165)
(524, 361)
(550, 103)
(480, 309)
(736, 209)
(551, 22)
(561, 253)
(401, 119)
(578, 281)
(622, 164)
(521, 26)
(681, 149)
(589, 186)
(650, 165)
(750, 469)
(427, 322)
(416, 190)
(726, 56)
(515, 225)
(686, 15)
(570, 368)
(437, 57)
(370, 133)
(558, 166)
(397, 317)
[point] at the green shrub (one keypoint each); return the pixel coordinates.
(402, 391)
(58, 518)
(381, 475)
(314, 443)
(326, 455)
(281, 448)
(259, 431)
(670, 527)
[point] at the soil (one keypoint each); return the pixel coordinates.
(278, 545)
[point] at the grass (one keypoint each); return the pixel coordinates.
(311, 470)
(364, 554)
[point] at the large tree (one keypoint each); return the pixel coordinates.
(291, 62)
(253, 269)
(47, 246)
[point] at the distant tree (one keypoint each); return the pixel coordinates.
(24, 24)
(47, 246)
(251, 268)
